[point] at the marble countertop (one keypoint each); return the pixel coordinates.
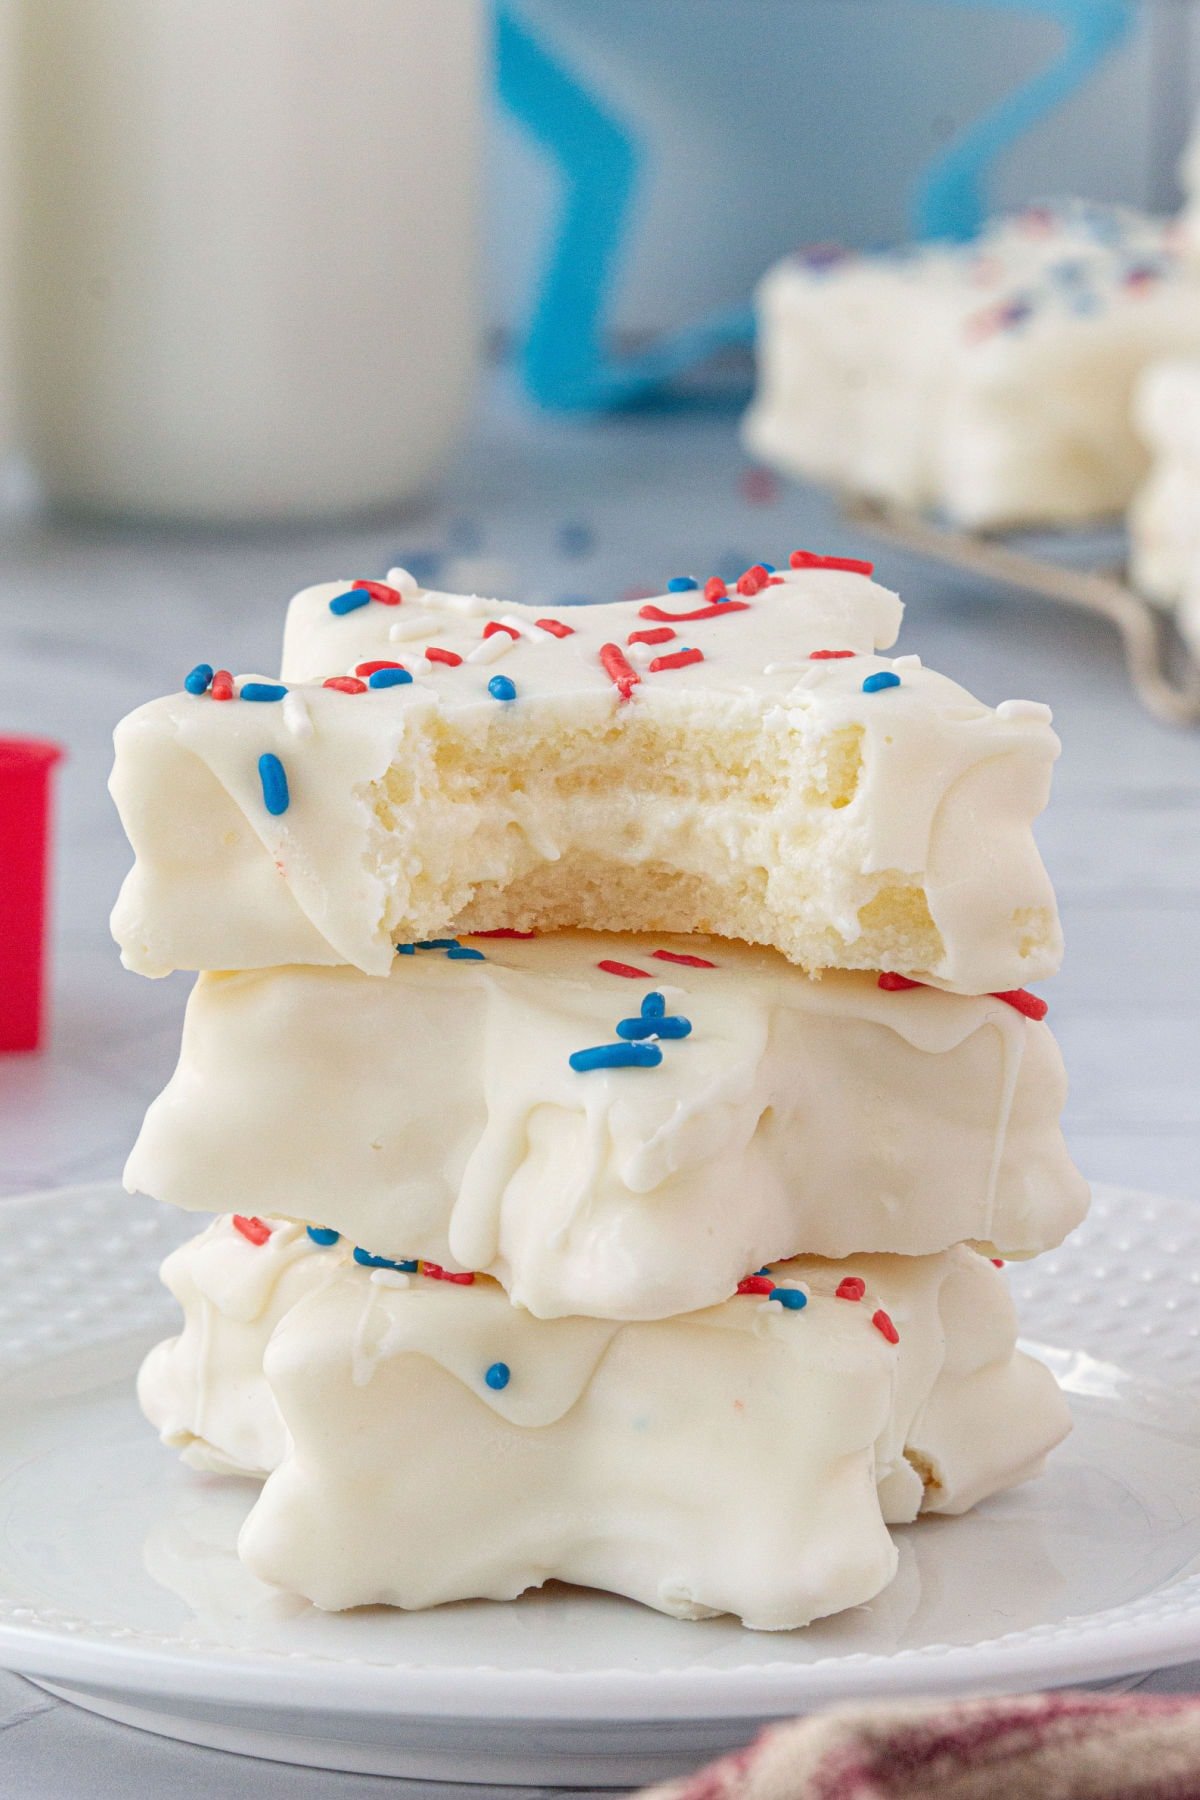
(94, 619)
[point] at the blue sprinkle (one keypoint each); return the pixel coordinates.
(320, 1234)
(199, 679)
(501, 688)
(465, 536)
(616, 1056)
(463, 953)
(272, 775)
(769, 567)
(653, 1006)
(382, 1262)
(406, 949)
(793, 1299)
(874, 684)
(763, 1271)
(576, 539)
(262, 690)
(350, 601)
(498, 1376)
(682, 584)
(385, 678)
(437, 943)
(654, 1027)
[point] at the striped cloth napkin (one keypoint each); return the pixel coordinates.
(1041, 1747)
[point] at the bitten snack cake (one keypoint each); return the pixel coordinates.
(821, 1403)
(613, 1065)
(739, 762)
(474, 1107)
(991, 380)
(1164, 520)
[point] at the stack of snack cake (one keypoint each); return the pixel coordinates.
(612, 1067)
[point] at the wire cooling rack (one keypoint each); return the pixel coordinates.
(1164, 673)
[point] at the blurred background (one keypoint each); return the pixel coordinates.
(305, 289)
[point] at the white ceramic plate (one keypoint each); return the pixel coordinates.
(120, 1589)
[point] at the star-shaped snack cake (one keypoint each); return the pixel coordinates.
(740, 761)
(615, 1126)
(821, 1403)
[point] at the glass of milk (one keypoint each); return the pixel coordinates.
(248, 283)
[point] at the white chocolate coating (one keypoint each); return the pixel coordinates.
(759, 793)
(991, 380)
(435, 1114)
(742, 1460)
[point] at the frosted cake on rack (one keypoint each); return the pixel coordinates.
(989, 380)
(816, 1406)
(741, 761)
(1164, 520)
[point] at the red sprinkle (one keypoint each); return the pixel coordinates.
(616, 968)
(436, 1272)
(884, 1326)
(808, 559)
(662, 634)
(556, 628)
(502, 931)
(716, 611)
(997, 1262)
(852, 1287)
(616, 664)
(679, 659)
(253, 1230)
(369, 668)
(689, 962)
(827, 655)
(1024, 1002)
(379, 590)
(715, 589)
(494, 625)
(753, 579)
(896, 984)
(758, 487)
(346, 684)
(756, 1284)
(222, 685)
(433, 654)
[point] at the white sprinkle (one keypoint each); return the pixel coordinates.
(295, 715)
(470, 606)
(643, 654)
(1024, 709)
(403, 581)
(784, 668)
(491, 649)
(393, 1278)
(518, 625)
(906, 662)
(411, 627)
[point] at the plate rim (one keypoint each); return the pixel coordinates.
(54, 1646)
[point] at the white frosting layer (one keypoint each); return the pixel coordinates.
(435, 1114)
(758, 793)
(742, 1460)
(991, 380)
(1164, 520)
